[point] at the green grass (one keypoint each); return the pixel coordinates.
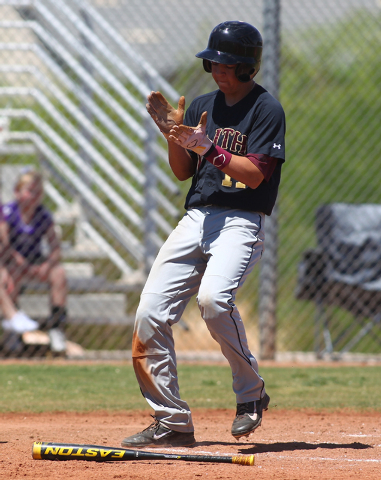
(81, 388)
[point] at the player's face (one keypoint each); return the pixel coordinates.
(224, 76)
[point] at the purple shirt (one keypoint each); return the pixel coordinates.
(26, 238)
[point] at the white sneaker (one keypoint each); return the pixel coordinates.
(20, 323)
(57, 340)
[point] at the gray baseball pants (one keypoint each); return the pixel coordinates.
(210, 253)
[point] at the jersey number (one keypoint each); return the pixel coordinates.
(227, 182)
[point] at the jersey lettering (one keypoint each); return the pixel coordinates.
(232, 140)
(227, 132)
(239, 143)
(217, 135)
(227, 182)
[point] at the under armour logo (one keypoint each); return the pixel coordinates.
(277, 146)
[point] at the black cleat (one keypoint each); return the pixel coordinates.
(249, 417)
(157, 435)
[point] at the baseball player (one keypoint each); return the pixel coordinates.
(231, 143)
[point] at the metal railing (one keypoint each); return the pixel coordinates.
(123, 126)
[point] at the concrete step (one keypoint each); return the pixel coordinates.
(82, 285)
(81, 251)
(88, 308)
(78, 269)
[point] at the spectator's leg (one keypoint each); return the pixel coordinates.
(6, 304)
(14, 320)
(58, 286)
(12, 279)
(58, 317)
(56, 322)
(58, 297)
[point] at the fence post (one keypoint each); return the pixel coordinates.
(268, 274)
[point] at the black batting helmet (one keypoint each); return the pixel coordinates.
(234, 43)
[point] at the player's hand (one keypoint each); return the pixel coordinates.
(162, 112)
(192, 138)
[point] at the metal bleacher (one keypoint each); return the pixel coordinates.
(62, 69)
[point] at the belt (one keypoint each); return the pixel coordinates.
(203, 206)
(218, 206)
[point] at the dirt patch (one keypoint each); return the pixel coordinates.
(289, 445)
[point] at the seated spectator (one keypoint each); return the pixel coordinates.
(24, 224)
(15, 321)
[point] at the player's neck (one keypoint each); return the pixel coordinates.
(232, 98)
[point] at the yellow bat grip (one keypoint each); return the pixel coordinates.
(243, 459)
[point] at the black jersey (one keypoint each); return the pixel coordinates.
(256, 124)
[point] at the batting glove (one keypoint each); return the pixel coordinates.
(192, 138)
(162, 112)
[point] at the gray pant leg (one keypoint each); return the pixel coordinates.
(173, 280)
(227, 244)
(234, 252)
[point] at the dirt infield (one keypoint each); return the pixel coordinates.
(289, 446)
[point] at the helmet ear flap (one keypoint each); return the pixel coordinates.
(245, 72)
(207, 64)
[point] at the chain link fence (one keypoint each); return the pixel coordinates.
(73, 80)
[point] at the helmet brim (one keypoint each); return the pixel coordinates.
(224, 57)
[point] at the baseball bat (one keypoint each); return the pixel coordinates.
(96, 453)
